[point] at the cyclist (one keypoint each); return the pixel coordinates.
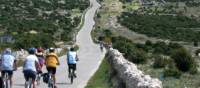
(31, 66)
(8, 64)
(51, 62)
(41, 57)
(72, 59)
(101, 45)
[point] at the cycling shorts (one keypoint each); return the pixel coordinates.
(52, 69)
(29, 74)
(10, 72)
(72, 66)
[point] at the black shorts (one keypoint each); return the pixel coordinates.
(10, 72)
(52, 69)
(72, 66)
(29, 74)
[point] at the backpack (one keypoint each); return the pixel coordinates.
(45, 77)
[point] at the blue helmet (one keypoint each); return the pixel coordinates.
(7, 51)
(31, 50)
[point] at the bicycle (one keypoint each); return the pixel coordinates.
(28, 84)
(72, 75)
(6, 81)
(50, 81)
(38, 77)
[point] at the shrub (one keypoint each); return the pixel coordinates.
(148, 43)
(172, 71)
(137, 56)
(183, 60)
(197, 52)
(132, 53)
(160, 61)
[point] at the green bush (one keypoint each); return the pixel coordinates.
(148, 43)
(172, 72)
(183, 60)
(137, 56)
(160, 61)
(197, 52)
(131, 52)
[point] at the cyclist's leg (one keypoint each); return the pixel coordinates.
(10, 75)
(33, 76)
(53, 70)
(2, 73)
(69, 70)
(26, 76)
(74, 70)
(54, 75)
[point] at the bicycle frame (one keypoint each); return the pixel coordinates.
(50, 81)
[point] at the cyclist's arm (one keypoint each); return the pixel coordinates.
(77, 59)
(67, 57)
(37, 65)
(57, 60)
(15, 64)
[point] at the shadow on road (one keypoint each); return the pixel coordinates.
(19, 84)
(63, 83)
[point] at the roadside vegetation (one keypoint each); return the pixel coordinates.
(170, 25)
(101, 79)
(175, 28)
(169, 62)
(39, 22)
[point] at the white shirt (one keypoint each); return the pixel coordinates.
(7, 62)
(29, 63)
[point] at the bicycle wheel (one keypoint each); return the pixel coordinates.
(38, 79)
(51, 85)
(28, 84)
(71, 76)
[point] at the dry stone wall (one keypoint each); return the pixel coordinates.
(129, 74)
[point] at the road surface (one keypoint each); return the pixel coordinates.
(89, 54)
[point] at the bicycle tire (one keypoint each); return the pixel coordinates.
(72, 79)
(71, 76)
(50, 82)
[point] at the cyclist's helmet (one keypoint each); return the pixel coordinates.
(31, 50)
(51, 49)
(7, 51)
(72, 49)
(39, 49)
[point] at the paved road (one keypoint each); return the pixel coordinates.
(89, 54)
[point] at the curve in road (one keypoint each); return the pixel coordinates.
(89, 54)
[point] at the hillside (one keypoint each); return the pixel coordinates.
(39, 22)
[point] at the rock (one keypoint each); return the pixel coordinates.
(129, 74)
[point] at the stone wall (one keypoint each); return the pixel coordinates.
(128, 73)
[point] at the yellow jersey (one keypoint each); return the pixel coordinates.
(51, 60)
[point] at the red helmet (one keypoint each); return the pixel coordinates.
(39, 49)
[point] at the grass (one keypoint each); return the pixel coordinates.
(101, 78)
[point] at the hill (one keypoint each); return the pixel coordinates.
(39, 22)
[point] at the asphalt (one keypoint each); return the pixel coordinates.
(90, 57)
